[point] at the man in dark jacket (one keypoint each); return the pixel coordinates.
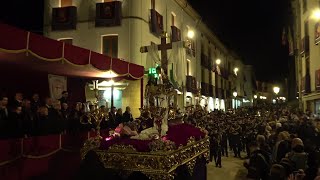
(259, 163)
(127, 116)
(15, 124)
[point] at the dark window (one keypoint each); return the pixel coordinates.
(308, 65)
(202, 75)
(306, 28)
(188, 66)
(304, 5)
(110, 46)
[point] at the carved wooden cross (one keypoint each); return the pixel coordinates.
(163, 47)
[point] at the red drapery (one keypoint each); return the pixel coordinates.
(19, 45)
(54, 156)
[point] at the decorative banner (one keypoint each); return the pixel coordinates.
(57, 84)
(108, 13)
(64, 18)
(317, 79)
(317, 33)
(156, 22)
(175, 34)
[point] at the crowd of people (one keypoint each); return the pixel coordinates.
(23, 117)
(275, 141)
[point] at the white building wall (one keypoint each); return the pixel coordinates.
(134, 31)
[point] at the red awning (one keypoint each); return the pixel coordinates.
(33, 51)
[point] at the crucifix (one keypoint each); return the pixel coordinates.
(163, 47)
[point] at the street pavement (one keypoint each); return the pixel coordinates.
(232, 169)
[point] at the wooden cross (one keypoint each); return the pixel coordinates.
(163, 47)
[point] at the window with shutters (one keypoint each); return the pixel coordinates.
(110, 45)
(304, 6)
(202, 75)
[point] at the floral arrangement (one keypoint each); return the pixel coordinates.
(162, 145)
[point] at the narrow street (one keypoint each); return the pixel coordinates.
(232, 169)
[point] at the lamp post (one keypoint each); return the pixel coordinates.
(190, 34)
(276, 90)
(218, 61)
(235, 94)
(111, 82)
(235, 70)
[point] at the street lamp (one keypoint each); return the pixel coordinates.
(276, 90)
(236, 70)
(218, 61)
(235, 94)
(316, 14)
(190, 34)
(255, 96)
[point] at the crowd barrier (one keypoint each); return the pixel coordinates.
(42, 157)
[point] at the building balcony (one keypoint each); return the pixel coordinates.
(175, 34)
(191, 48)
(305, 45)
(64, 18)
(191, 84)
(156, 22)
(108, 14)
(305, 83)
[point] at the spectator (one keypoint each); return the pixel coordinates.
(64, 98)
(119, 117)
(35, 102)
(127, 116)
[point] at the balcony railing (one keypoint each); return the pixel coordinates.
(304, 46)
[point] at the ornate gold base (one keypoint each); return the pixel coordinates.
(156, 165)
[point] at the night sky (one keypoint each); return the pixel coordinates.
(251, 28)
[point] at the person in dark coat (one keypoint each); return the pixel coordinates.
(112, 118)
(4, 115)
(29, 118)
(15, 124)
(35, 103)
(259, 163)
(119, 117)
(127, 116)
(224, 143)
(17, 101)
(43, 121)
(64, 97)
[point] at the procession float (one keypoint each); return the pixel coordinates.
(159, 149)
